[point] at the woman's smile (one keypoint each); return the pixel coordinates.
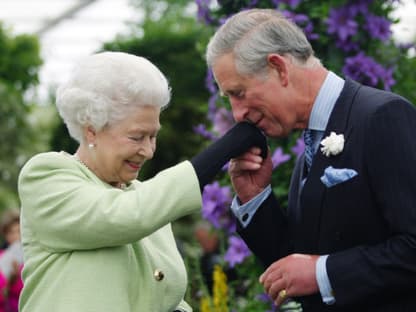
(134, 165)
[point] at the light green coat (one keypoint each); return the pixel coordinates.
(90, 247)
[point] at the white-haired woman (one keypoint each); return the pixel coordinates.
(94, 237)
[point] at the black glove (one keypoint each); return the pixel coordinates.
(235, 142)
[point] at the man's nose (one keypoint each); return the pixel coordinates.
(239, 110)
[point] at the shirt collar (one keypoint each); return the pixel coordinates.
(325, 101)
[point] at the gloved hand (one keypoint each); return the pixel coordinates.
(240, 138)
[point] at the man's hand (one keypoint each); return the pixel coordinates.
(291, 276)
(250, 174)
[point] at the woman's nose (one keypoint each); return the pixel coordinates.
(147, 149)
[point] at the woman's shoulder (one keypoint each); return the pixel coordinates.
(48, 161)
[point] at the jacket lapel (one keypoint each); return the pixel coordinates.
(313, 192)
(295, 187)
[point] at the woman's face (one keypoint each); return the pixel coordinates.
(121, 149)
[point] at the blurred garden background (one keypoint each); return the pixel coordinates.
(371, 41)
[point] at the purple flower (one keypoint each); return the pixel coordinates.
(279, 157)
(347, 45)
(237, 251)
(204, 11)
(263, 297)
(308, 30)
(210, 82)
(212, 106)
(359, 7)
(276, 3)
(252, 3)
(367, 71)
(225, 167)
(341, 23)
(223, 120)
(299, 147)
(222, 20)
(386, 75)
(362, 68)
(292, 3)
(215, 203)
(202, 130)
(303, 22)
(378, 27)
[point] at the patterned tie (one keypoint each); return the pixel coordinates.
(308, 138)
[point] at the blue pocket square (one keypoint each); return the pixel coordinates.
(333, 176)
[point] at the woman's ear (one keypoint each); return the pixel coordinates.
(280, 65)
(90, 134)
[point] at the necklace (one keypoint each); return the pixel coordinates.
(80, 161)
(122, 186)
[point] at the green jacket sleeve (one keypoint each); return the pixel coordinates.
(183, 307)
(68, 208)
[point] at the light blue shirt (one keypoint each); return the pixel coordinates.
(321, 110)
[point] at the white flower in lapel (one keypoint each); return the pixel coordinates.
(332, 144)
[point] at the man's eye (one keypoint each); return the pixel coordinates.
(237, 94)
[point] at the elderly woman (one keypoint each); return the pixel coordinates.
(95, 238)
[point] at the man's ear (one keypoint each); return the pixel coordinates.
(279, 63)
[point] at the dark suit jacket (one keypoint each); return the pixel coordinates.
(367, 224)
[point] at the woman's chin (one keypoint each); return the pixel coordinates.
(132, 176)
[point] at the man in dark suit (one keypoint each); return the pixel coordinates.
(348, 239)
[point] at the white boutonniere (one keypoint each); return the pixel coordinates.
(332, 144)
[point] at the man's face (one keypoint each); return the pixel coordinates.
(266, 102)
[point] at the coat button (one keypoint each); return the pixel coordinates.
(158, 275)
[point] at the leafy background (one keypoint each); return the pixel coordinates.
(352, 38)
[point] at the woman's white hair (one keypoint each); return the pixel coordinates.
(106, 87)
(254, 34)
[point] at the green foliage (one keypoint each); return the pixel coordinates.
(19, 60)
(61, 140)
(19, 65)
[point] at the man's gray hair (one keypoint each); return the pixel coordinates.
(106, 87)
(254, 34)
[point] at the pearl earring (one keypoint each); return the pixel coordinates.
(91, 145)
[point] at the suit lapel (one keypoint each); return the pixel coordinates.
(313, 192)
(295, 187)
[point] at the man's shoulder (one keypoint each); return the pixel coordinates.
(367, 100)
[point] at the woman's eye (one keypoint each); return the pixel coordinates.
(136, 139)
